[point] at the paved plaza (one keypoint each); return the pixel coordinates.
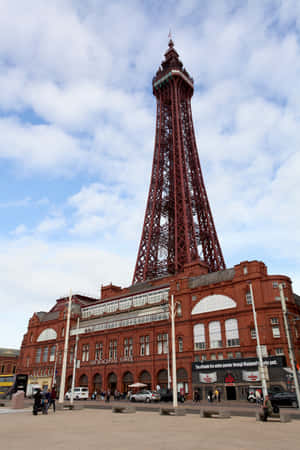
(101, 429)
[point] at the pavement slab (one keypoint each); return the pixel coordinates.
(102, 429)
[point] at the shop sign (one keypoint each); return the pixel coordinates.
(251, 376)
(229, 379)
(208, 377)
(242, 363)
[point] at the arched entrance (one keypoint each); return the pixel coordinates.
(162, 379)
(182, 381)
(112, 382)
(97, 383)
(69, 382)
(83, 381)
(127, 379)
(145, 378)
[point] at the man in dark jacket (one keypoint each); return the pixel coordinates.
(37, 402)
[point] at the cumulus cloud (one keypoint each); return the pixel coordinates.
(77, 122)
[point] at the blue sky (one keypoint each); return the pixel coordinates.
(77, 122)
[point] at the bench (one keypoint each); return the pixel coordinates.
(213, 413)
(123, 409)
(282, 416)
(172, 412)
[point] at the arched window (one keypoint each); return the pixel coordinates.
(215, 337)
(232, 333)
(199, 336)
(47, 335)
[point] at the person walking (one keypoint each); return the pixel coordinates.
(37, 402)
(258, 397)
(52, 398)
(107, 396)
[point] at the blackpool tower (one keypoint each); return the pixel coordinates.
(178, 227)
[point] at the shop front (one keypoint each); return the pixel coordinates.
(233, 377)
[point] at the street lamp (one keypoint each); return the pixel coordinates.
(64, 366)
(174, 374)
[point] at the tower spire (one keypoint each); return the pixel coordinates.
(178, 220)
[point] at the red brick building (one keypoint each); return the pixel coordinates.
(123, 337)
(8, 360)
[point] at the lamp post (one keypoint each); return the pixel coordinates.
(259, 353)
(174, 374)
(289, 341)
(74, 362)
(64, 366)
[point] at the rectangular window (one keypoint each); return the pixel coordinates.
(59, 357)
(115, 352)
(159, 344)
(276, 332)
(38, 355)
(165, 343)
(279, 351)
(99, 351)
(180, 345)
(253, 333)
(238, 354)
(147, 346)
(203, 357)
(85, 352)
(126, 348)
(142, 346)
(220, 356)
(71, 354)
(275, 284)
(111, 350)
(213, 356)
(52, 353)
(274, 321)
(45, 354)
(229, 355)
(248, 298)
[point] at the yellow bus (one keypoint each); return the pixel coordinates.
(6, 384)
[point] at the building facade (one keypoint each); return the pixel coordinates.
(124, 337)
(8, 360)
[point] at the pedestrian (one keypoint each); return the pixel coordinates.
(267, 408)
(257, 397)
(107, 396)
(210, 396)
(37, 402)
(52, 397)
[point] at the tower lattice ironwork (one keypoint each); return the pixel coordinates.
(178, 217)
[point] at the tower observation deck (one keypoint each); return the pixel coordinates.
(178, 226)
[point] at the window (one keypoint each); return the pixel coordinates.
(220, 356)
(215, 338)
(213, 356)
(71, 354)
(142, 346)
(31, 337)
(279, 351)
(38, 355)
(115, 348)
(52, 353)
(194, 298)
(274, 321)
(232, 333)
(14, 369)
(253, 333)
(276, 332)
(162, 343)
(245, 270)
(229, 355)
(180, 344)
(99, 351)
(147, 344)
(62, 332)
(197, 358)
(199, 337)
(85, 352)
(178, 309)
(275, 284)
(59, 357)
(203, 357)
(238, 354)
(248, 298)
(111, 349)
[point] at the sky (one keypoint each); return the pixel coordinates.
(77, 123)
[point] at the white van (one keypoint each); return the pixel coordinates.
(80, 393)
(31, 389)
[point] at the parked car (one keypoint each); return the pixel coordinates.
(80, 393)
(145, 396)
(284, 399)
(166, 395)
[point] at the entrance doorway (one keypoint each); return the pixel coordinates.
(112, 382)
(230, 393)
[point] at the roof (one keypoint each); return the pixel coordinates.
(212, 278)
(9, 352)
